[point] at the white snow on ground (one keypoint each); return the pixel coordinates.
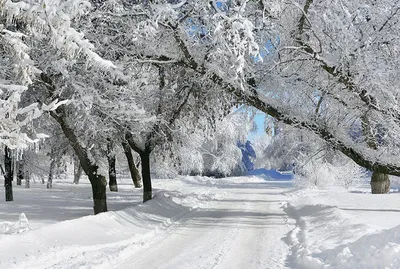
(339, 228)
(192, 222)
(199, 222)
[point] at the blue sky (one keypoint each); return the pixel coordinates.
(259, 120)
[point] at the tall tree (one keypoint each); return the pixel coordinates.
(135, 175)
(77, 170)
(112, 173)
(97, 180)
(8, 174)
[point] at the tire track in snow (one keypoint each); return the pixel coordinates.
(217, 237)
(205, 247)
(228, 242)
(259, 244)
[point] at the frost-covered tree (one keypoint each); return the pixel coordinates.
(179, 104)
(54, 47)
(221, 153)
(306, 63)
(311, 159)
(174, 99)
(345, 53)
(16, 73)
(154, 72)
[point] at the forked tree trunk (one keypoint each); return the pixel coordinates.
(77, 170)
(147, 189)
(380, 183)
(51, 174)
(8, 174)
(145, 159)
(135, 175)
(112, 174)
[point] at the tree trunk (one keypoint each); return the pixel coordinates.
(112, 174)
(77, 170)
(147, 189)
(27, 182)
(20, 173)
(8, 174)
(380, 183)
(135, 175)
(99, 184)
(51, 174)
(97, 181)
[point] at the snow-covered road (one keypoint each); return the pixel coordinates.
(244, 229)
(200, 222)
(192, 222)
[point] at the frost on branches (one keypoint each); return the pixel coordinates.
(23, 24)
(16, 67)
(318, 66)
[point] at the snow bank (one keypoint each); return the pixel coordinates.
(380, 250)
(20, 226)
(105, 237)
(328, 236)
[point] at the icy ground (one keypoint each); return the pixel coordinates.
(197, 222)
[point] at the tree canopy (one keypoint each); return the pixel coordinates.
(156, 72)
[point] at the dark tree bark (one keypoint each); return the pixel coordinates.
(145, 159)
(51, 174)
(77, 170)
(112, 174)
(97, 181)
(8, 174)
(135, 175)
(147, 189)
(20, 173)
(27, 182)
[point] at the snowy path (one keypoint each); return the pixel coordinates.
(191, 223)
(200, 222)
(242, 230)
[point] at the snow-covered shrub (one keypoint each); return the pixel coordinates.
(259, 145)
(349, 174)
(20, 226)
(287, 147)
(314, 173)
(221, 154)
(313, 162)
(322, 173)
(211, 153)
